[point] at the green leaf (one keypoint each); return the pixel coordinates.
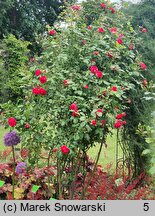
(152, 170)
(82, 118)
(52, 198)
(2, 183)
(146, 151)
(35, 188)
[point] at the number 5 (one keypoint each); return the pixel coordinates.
(146, 207)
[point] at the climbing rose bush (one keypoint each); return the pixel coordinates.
(79, 89)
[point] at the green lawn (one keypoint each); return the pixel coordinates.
(107, 154)
(2, 132)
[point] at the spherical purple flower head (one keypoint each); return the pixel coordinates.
(20, 168)
(11, 138)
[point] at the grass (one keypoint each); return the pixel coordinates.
(108, 155)
(2, 132)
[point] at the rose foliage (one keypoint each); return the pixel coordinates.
(78, 92)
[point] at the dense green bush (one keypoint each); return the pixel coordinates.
(13, 69)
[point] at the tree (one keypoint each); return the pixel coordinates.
(26, 18)
(143, 17)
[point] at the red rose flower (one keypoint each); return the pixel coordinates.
(98, 111)
(101, 30)
(104, 92)
(131, 46)
(42, 91)
(119, 116)
(66, 82)
(121, 35)
(64, 149)
(27, 126)
(35, 91)
(144, 30)
(119, 40)
(103, 122)
(99, 74)
(113, 30)
(93, 122)
(112, 10)
(96, 52)
(145, 82)
(89, 27)
(118, 124)
(73, 107)
(32, 59)
(102, 5)
(24, 153)
(37, 72)
(124, 114)
(124, 122)
(114, 88)
(76, 7)
(86, 86)
(75, 114)
(12, 122)
(52, 32)
(143, 66)
(109, 55)
(55, 149)
(84, 42)
(43, 79)
(93, 69)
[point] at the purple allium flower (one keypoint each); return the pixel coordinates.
(11, 138)
(20, 168)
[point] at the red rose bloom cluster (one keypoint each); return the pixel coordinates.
(39, 90)
(64, 149)
(119, 121)
(120, 116)
(94, 70)
(74, 108)
(12, 122)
